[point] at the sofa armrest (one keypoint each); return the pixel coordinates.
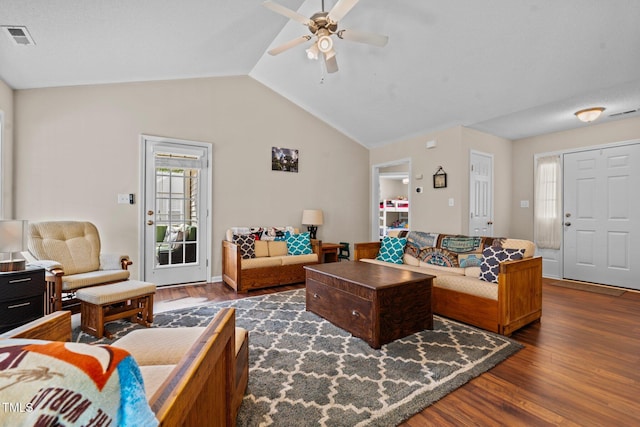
(366, 250)
(114, 262)
(231, 264)
(52, 327)
(199, 391)
(316, 247)
(519, 293)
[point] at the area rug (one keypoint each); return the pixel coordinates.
(304, 371)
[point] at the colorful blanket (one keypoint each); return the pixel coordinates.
(48, 383)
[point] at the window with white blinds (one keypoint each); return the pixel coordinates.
(547, 213)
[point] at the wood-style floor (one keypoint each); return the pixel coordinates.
(580, 365)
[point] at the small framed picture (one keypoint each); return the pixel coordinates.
(284, 159)
(440, 179)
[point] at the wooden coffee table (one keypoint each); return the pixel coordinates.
(376, 303)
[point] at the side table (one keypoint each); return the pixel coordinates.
(22, 297)
(329, 252)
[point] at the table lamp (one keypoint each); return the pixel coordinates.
(12, 239)
(312, 218)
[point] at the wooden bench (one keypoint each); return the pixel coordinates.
(102, 304)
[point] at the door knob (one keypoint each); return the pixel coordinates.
(149, 213)
(567, 223)
(149, 222)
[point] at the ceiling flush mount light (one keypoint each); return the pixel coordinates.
(589, 114)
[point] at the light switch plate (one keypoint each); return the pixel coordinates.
(524, 203)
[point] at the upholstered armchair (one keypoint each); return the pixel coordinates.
(69, 251)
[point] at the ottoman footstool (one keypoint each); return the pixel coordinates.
(106, 303)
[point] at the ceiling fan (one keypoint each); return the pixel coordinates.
(323, 25)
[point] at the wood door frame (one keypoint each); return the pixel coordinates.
(144, 138)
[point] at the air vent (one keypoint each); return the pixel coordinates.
(624, 112)
(19, 35)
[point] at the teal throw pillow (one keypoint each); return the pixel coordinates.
(299, 244)
(392, 249)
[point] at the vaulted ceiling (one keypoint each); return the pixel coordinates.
(510, 68)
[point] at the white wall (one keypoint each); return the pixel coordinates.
(77, 147)
(6, 156)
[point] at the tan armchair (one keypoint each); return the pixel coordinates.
(69, 251)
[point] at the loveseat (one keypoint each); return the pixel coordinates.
(491, 283)
(262, 257)
(192, 376)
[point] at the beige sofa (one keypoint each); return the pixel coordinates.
(459, 293)
(192, 376)
(270, 266)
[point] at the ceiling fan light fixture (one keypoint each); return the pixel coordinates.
(312, 52)
(325, 44)
(589, 114)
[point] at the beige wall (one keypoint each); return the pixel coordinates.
(524, 151)
(6, 156)
(78, 147)
(430, 210)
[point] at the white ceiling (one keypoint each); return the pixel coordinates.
(509, 68)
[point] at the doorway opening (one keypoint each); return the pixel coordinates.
(175, 206)
(391, 193)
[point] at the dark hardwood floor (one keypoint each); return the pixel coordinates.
(579, 367)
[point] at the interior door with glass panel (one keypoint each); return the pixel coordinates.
(176, 206)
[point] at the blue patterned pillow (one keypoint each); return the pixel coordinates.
(491, 259)
(392, 249)
(299, 244)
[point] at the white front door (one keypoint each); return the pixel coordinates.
(175, 217)
(602, 216)
(481, 194)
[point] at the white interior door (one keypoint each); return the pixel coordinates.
(481, 194)
(176, 206)
(602, 216)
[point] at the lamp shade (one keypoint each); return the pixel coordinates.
(12, 236)
(312, 217)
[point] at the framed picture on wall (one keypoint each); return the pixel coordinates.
(440, 178)
(284, 159)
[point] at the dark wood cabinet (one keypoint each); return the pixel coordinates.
(22, 295)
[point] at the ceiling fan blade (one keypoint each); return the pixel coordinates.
(363, 37)
(341, 9)
(277, 8)
(330, 61)
(288, 45)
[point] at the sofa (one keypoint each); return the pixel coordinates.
(262, 257)
(492, 283)
(192, 376)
